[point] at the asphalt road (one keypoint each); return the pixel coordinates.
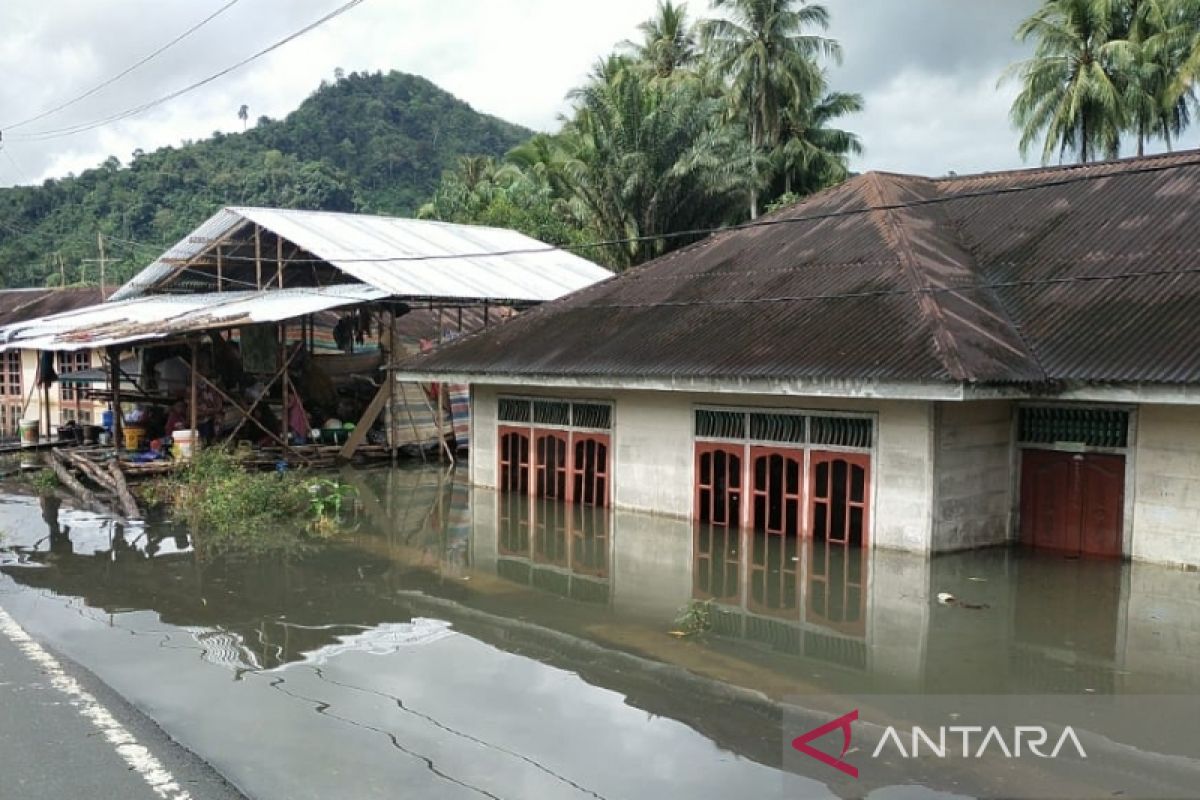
(64, 734)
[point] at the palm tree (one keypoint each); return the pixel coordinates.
(244, 115)
(640, 159)
(1149, 63)
(770, 62)
(813, 155)
(1071, 91)
(668, 40)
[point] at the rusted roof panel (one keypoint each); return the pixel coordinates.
(22, 304)
(1066, 274)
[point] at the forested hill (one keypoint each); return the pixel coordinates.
(366, 142)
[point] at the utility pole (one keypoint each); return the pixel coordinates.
(102, 261)
(100, 243)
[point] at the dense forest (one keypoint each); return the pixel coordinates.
(363, 142)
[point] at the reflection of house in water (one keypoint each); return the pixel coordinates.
(555, 547)
(797, 597)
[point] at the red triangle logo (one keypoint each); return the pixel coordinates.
(841, 723)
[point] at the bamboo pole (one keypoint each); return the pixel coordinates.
(194, 409)
(98, 476)
(258, 257)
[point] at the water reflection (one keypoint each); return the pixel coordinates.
(789, 616)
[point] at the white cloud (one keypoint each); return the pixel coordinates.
(926, 67)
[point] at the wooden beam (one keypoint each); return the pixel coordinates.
(279, 260)
(258, 256)
(220, 268)
(128, 503)
(195, 394)
(367, 420)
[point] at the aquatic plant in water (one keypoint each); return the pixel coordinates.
(694, 618)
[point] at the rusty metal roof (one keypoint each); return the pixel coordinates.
(164, 316)
(17, 305)
(1061, 274)
(406, 258)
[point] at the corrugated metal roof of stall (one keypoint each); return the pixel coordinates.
(406, 258)
(164, 316)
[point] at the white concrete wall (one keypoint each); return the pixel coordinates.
(34, 411)
(1166, 485)
(653, 462)
(973, 468)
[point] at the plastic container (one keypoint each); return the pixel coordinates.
(134, 436)
(186, 444)
(29, 432)
(106, 420)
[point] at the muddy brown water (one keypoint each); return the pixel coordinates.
(458, 643)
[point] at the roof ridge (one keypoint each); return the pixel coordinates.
(894, 233)
(1189, 157)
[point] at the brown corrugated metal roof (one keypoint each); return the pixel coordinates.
(19, 305)
(1079, 273)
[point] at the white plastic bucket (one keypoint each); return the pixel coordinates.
(29, 433)
(186, 444)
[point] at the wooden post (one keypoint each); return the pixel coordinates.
(114, 377)
(258, 256)
(220, 268)
(279, 260)
(390, 377)
(195, 393)
(284, 386)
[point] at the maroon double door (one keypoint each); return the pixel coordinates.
(1073, 502)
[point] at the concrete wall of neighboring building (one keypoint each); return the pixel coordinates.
(88, 410)
(973, 468)
(653, 462)
(1166, 485)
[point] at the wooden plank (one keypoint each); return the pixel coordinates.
(366, 421)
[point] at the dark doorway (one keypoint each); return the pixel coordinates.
(1073, 502)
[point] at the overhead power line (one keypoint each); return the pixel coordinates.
(71, 130)
(694, 233)
(124, 72)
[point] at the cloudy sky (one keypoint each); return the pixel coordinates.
(928, 69)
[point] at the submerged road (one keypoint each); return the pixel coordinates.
(64, 734)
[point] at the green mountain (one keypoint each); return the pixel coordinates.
(366, 142)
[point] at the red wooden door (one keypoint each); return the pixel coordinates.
(719, 485)
(839, 505)
(776, 490)
(1072, 502)
(550, 465)
(514, 460)
(589, 469)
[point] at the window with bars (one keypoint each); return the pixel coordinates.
(786, 428)
(555, 449)
(555, 413)
(10, 374)
(76, 361)
(1092, 427)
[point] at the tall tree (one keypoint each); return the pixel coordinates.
(642, 159)
(814, 155)
(668, 41)
(764, 51)
(1071, 94)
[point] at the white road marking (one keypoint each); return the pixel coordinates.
(139, 759)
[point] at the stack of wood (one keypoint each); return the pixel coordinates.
(108, 488)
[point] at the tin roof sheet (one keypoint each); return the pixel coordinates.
(1064, 274)
(403, 257)
(165, 316)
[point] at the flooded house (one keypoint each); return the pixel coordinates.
(22, 396)
(267, 325)
(925, 364)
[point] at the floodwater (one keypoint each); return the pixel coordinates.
(458, 643)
